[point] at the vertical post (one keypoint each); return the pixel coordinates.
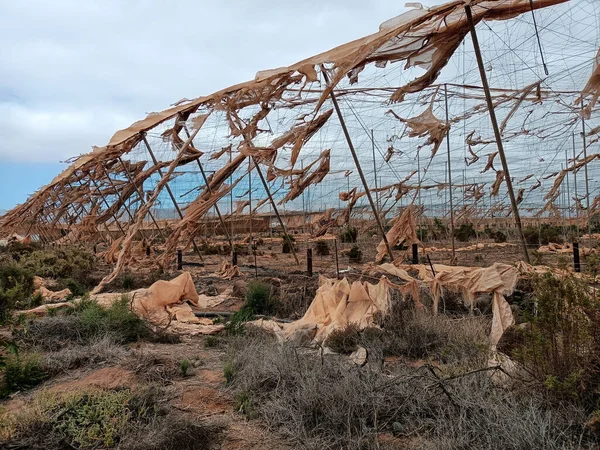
(147, 250)
(309, 262)
(234, 258)
(490, 104)
(179, 259)
(587, 186)
(449, 167)
(377, 201)
(358, 167)
(576, 260)
(231, 197)
(575, 183)
(337, 261)
(568, 187)
(415, 253)
(169, 191)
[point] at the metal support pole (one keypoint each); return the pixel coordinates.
(415, 253)
(141, 196)
(205, 178)
(377, 201)
(490, 104)
(266, 186)
(309, 262)
(118, 194)
(337, 262)
(107, 205)
(449, 167)
(358, 167)
(587, 185)
(179, 259)
(576, 260)
(169, 191)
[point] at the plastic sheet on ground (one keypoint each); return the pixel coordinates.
(337, 303)
(498, 280)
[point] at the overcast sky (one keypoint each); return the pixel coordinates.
(73, 72)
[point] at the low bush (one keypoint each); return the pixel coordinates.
(560, 345)
(286, 245)
(259, 301)
(99, 351)
(543, 235)
(465, 232)
(344, 340)
(153, 368)
(348, 234)
(322, 248)
(325, 402)
(87, 323)
(97, 418)
(21, 372)
(16, 289)
(355, 254)
(69, 265)
(497, 235)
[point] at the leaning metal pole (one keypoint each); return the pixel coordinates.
(357, 164)
(169, 191)
(449, 168)
(140, 193)
(490, 104)
(283, 227)
(587, 184)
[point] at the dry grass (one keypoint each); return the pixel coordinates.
(325, 402)
(102, 350)
(153, 368)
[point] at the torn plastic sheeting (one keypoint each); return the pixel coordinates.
(498, 280)
(337, 303)
(403, 231)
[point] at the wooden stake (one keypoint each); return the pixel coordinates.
(490, 104)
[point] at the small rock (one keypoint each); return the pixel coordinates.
(359, 357)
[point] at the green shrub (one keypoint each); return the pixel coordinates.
(543, 235)
(497, 235)
(259, 299)
(21, 372)
(348, 234)
(355, 254)
(87, 322)
(184, 367)
(465, 232)
(321, 248)
(286, 246)
(68, 265)
(16, 288)
(561, 344)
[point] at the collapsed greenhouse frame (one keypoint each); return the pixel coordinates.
(101, 198)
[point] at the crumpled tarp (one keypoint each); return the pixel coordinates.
(498, 280)
(228, 271)
(337, 303)
(49, 296)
